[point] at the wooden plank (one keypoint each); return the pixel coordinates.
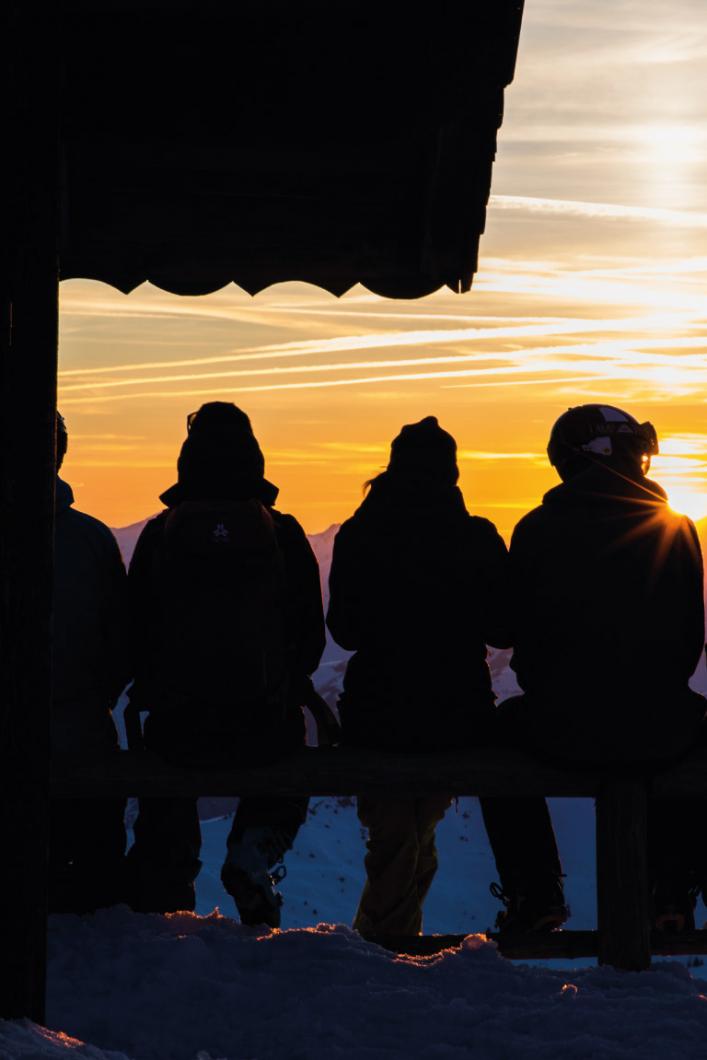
(485, 772)
(340, 771)
(28, 363)
(622, 886)
(685, 780)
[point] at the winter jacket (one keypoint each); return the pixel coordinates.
(416, 593)
(91, 663)
(304, 621)
(608, 618)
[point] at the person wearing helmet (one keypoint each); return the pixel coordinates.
(608, 623)
(90, 669)
(416, 593)
(227, 616)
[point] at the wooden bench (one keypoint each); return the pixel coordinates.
(623, 938)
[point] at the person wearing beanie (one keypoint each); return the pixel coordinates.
(416, 593)
(228, 627)
(91, 667)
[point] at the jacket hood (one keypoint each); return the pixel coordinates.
(600, 482)
(236, 488)
(407, 492)
(64, 495)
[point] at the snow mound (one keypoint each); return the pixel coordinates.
(183, 986)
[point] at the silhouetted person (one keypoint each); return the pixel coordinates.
(415, 594)
(227, 615)
(91, 668)
(608, 629)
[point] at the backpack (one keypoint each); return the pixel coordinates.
(221, 585)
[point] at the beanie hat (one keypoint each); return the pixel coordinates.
(425, 448)
(220, 443)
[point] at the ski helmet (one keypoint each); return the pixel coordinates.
(62, 439)
(603, 432)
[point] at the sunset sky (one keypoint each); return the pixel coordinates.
(592, 286)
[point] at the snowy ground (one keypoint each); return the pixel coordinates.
(201, 987)
(191, 988)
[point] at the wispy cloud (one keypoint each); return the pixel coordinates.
(481, 454)
(598, 210)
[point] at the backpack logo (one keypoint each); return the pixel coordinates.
(221, 534)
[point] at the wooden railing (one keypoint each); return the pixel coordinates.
(623, 938)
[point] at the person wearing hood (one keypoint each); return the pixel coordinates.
(416, 592)
(608, 629)
(91, 667)
(228, 627)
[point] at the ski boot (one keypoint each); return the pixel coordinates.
(674, 909)
(539, 907)
(249, 875)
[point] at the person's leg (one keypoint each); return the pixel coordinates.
(86, 854)
(164, 860)
(282, 817)
(390, 903)
(676, 861)
(523, 840)
(429, 812)
(264, 829)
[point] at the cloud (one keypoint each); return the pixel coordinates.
(480, 454)
(394, 339)
(598, 210)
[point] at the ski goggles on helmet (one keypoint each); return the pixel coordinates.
(642, 435)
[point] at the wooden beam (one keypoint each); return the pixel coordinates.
(325, 772)
(28, 364)
(485, 771)
(622, 884)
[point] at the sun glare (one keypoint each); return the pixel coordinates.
(685, 502)
(681, 468)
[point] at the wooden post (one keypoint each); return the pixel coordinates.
(622, 881)
(28, 367)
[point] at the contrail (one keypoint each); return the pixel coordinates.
(324, 383)
(345, 343)
(599, 210)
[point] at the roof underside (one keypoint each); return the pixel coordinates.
(258, 142)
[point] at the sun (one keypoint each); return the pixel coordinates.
(686, 502)
(681, 469)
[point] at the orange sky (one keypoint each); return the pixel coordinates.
(592, 286)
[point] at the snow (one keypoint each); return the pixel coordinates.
(201, 987)
(183, 987)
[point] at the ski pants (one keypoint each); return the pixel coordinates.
(523, 840)
(401, 862)
(163, 862)
(86, 854)
(164, 859)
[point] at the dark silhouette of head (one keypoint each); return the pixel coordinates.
(591, 435)
(62, 440)
(424, 449)
(219, 446)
